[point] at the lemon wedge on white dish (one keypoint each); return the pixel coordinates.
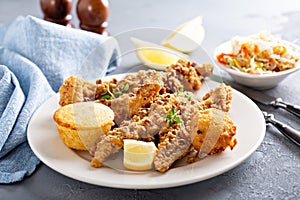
(156, 56)
(138, 155)
(187, 37)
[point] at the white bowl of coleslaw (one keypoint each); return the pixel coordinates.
(259, 61)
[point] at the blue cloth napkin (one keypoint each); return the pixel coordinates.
(35, 57)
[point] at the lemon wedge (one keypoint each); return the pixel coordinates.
(156, 56)
(138, 155)
(187, 37)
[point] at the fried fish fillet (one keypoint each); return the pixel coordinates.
(184, 74)
(215, 131)
(220, 98)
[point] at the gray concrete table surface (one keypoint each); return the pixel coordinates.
(271, 172)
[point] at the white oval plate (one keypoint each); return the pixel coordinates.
(45, 142)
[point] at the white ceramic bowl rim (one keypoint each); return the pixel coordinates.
(258, 76)
(245, 74)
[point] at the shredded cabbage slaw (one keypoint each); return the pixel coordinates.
(259, 54)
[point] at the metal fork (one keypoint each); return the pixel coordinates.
(285, 129)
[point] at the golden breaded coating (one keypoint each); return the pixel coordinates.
(174, 143)
(189, 73)
(215, 132)
(74, 89)
(220, 98)
(71, 91)
(108, 145)
(143, 97)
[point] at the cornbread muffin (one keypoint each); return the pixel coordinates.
(215, 132)
(81, 124)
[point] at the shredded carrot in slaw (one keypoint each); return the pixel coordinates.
(259, 54)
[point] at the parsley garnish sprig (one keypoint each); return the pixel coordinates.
(179, 91)
(107, 94)
(123, 88)
(172, 116)
(188, 96)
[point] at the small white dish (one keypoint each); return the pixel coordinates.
(256, 81)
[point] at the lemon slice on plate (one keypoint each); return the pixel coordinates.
(156, 56)
(138, 155)
(187, 37)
